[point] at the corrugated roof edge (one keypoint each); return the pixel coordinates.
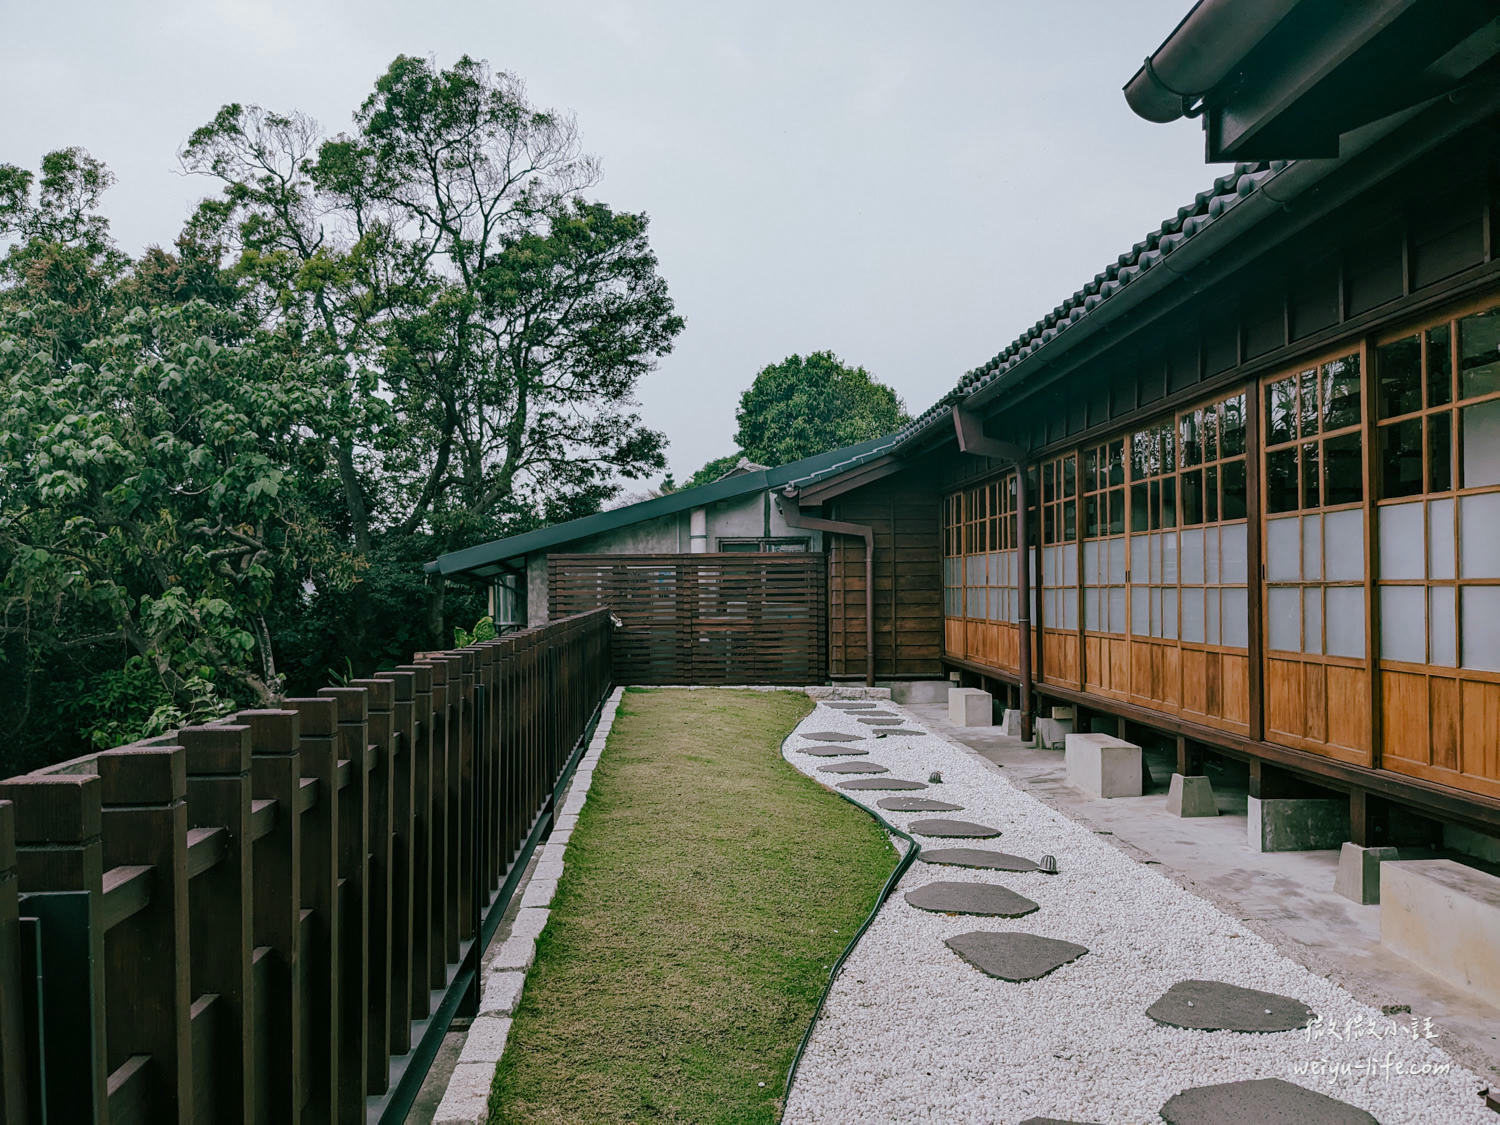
(797, 472)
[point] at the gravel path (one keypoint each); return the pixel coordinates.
(913, 1033)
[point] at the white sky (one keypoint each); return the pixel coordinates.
(910, 185)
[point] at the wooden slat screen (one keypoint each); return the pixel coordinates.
(703, 619)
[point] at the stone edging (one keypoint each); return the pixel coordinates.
(466, 1101)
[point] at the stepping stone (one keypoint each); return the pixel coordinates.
(832, 751)
(853, 767)
(831, 736)
(976, 857)
(962, 828)
(949, 897)
(1055, 1121)
(887, 733)
(1211, 1005)
(848, 704)
(1260, 1101)
(881, 783)
(1015, 956)
(876, 719)
(916, 804)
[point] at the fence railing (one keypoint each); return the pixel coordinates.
(271, 918)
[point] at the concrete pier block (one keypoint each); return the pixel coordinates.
(1358, 878)
(1052, 734)
(970, 707)
(1445, 917)
(1063, 713)
(920, 691)
(1103, 766)
(1191, 796)
(1297, 824)
(1010, 723)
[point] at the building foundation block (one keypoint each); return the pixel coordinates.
(1052, 734)
(1297, 824)
(1445, 918)
(1010, 723)
(1359, 871)
(970, 707)
(1191, 796)
(1102, 765)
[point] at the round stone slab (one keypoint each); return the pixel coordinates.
(948, 897)
(831, 736)
(832, 751)
(916, 804)
(966, 829)
(881, 783)
(848, 704)
(976, 857)
(1014, 956)
(1054, 1121)
(884, 732)
(853, 767)
(876, 719)
(1211, 1005)
(1260, 1101)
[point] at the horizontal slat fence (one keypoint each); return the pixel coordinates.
(240, 922)
(704, 618)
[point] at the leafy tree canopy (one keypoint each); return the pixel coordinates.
(801, 407)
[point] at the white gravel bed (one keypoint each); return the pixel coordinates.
(912, 1033)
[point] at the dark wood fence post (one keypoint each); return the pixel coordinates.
(462, 664)
(403, 739)
(421, 840)
(147, 974)
(319, 764)
(220, 909)
(444, 938)
(59, 861)
(276, 790)
(14, 1063)
(379, 698)
(354, 847)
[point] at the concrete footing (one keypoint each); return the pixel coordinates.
(1358, 878)
(920, 691)
(1052, 734)
(970, 707)
(1445, 917)
(1191, 796)
(1010, 723)
(1297, 824)
(1103, 766)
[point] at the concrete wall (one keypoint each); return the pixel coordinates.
(743, 517)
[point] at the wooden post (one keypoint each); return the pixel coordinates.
(463, 664)
(353, 960)
(422, 898)
(403, 739)
(148, 1000)
(276, 776)
(444, 947)
(1189, 757)
(318, 749)
(59, 862)
(13, 1059)
(379, 699)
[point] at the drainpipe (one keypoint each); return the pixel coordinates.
(786, 503)
(698, 531)
(971, 440)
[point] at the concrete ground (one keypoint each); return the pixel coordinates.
(1287, 897)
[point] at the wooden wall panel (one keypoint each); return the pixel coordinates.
(1060, 658)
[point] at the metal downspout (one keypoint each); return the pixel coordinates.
(786, 503)
(972, 440)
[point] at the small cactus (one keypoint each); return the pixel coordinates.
(1049, 865)
(935, 777)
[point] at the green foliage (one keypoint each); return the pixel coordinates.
(484, 630)
(802, 407)
(714, 470)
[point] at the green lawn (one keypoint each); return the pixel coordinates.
(708, 888)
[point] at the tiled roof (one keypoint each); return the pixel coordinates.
(1207, 207)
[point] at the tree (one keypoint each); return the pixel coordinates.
(714, 469)
(802, 407)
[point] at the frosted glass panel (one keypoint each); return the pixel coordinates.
(1211, 617)
(1070, 565)
(1479, 537)
(1401, 547)
(1345, 626)
(1070, 609)
(1235, 558)
(1140, 610)
(1211, 557)
(1236, 624)
(1169, 557)
(1169, 612)
(1481, 443)
(1312, 619)
(1192, 615)
(1049, 566)
(1091, 609)
(1286, 618)
(1344, 546)
(1192, 557)
(1283, 550)
(975, 604)
(1116, 610)
(1117, 561)
(1441, 640)
(1481, 616)
(1091, 561)
(1440, 539)
(1312, 547)
(1403, 623)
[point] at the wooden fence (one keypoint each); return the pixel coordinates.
(704, 619)
(266, 919)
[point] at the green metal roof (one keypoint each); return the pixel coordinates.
(488, 559)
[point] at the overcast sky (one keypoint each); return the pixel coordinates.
(910, 185)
